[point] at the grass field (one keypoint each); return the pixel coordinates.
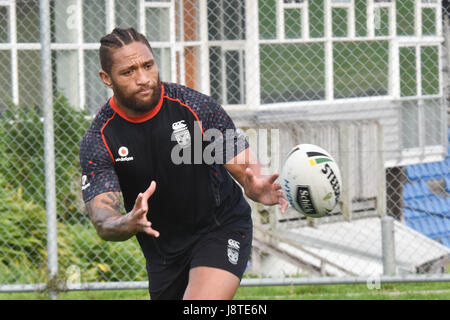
(394, 291)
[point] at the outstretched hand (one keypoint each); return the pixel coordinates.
(138, 221)
(264, 189)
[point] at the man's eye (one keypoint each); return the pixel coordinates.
(127, 73)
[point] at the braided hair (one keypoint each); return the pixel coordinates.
(117, 39)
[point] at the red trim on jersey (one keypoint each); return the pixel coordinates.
(139, 119)
(103, 137)
(190, 109)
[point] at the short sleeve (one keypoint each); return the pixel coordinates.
(232, 140)
(212, 115)
(98, 174)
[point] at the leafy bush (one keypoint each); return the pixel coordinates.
(23, 240)
(22, 147)
(23, 250)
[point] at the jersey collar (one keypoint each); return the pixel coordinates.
(142, 118)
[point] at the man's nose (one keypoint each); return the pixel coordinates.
(142, 77)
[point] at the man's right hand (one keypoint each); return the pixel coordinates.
(111, 225)
(137, 217)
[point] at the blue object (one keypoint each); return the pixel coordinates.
(446, 241)
(444, 168)
(412, 172)
(424, 190)
(408, 214)
(427, 226)
(436, 169)
(416, 190)
(440, 226)
(446, 224)
(429, 207)
(444, 207)
(447, 165)
(447, 183)
(409, 191)
(422, 168)
(447, 201)
(413, 210)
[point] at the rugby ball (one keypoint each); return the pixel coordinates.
(311, 180)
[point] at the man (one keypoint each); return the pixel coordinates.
(191, 220)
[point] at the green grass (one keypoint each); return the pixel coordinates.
(392, 291)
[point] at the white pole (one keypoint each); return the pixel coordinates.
(49, 155)
(204, 48)
(80, 40)
(329, 70)
(14, 58)
(252, 72)
(388, 245)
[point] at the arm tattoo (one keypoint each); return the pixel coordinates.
(104, 212)
(112, 200)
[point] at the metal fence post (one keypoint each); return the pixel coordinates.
(388, 245)
(49, 153)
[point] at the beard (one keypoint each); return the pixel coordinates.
(131, 102)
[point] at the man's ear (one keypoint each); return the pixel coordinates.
(105, 78)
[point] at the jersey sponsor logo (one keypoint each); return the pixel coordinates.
(233, 251)
(123, 153)
(84, 185)
(181, 134)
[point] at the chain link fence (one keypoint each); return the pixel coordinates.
(367, 80)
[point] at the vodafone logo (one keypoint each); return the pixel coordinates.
(123, 151)
(123, 154)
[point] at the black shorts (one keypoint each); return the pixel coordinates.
(227, 249)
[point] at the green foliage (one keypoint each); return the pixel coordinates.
(22, 147)
(23, 240)
(23, 249)
(99, 260)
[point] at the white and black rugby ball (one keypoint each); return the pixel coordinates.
(311, 180)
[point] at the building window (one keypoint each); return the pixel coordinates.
(227, 75)
(226, 20)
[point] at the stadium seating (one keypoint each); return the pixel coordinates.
(447, 183)
(446, 241)
(442, 205)
(446, 167)
(436, 169)
(416, 190)
(447, 201)
(426, 171)
(424, 211)
(412, 172)
(415, 172)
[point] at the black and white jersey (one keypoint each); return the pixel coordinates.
(167, 145)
